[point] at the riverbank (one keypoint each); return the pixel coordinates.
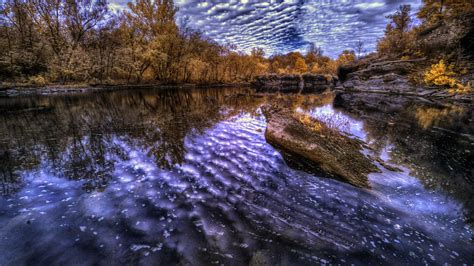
(396, 78)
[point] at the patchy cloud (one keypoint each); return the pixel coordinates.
(280, 26)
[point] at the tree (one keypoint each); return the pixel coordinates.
(153, 36)
(398, 39)
(359, 48)
(257, 52)
(346, 57)
(401, 20)
(300, 66)
(63, 24)
(21, 49)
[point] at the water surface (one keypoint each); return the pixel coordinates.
(163, 177)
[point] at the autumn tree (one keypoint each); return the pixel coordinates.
(300, 66)
(63, 26)
(21, 49)
(313, 54)
(398, 39)
(346, 57)
(151, 31)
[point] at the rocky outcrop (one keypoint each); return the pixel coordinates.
(290, 83)
(317, 83)
(331, 153)
(387, 77)
(392, 77)
(305, 83)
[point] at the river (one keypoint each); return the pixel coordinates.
(164, 177)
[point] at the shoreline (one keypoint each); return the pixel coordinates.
(11, 91)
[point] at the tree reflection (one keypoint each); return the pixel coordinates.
(431, 139)
(433, 116)
(79, 137)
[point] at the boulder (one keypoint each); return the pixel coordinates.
(331, 153)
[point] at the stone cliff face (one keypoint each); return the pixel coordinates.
(392, 77)
(386, 76)
(305, 83)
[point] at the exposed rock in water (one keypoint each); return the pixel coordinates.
(332, 153)
(305, 83)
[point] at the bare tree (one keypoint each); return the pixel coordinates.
(359, 48)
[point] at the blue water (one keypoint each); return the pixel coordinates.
(167, 177)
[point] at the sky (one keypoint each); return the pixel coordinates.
(289, 25)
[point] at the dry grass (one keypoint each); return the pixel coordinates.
(325, 124)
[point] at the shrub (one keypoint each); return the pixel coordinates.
(38, 81)
(441, 74)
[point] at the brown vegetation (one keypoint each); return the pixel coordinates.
(81, 41)
(63, 41)
(314, 61)
(402, 39)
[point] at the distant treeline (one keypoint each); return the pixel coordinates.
(71, 41)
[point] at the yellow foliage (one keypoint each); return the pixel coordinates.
(37, 81)
(310, 122)
(300, 66)
(316, 69)
(462, 89)
(346, 57)
(441, 74)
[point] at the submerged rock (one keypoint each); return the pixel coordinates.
(330, 152)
